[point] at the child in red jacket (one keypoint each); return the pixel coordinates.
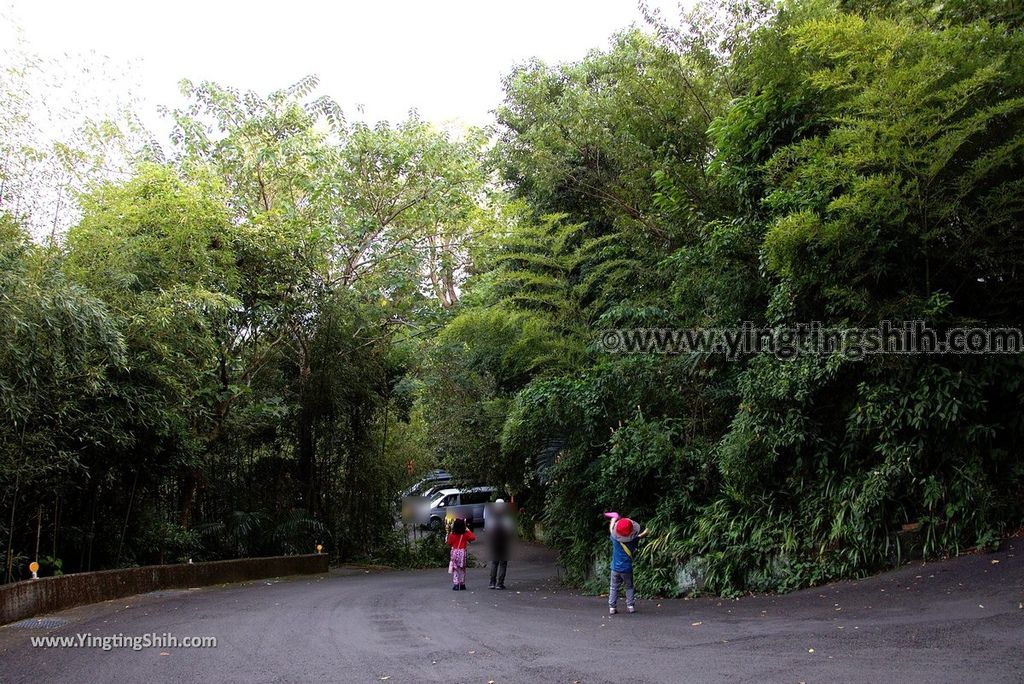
(458, 540)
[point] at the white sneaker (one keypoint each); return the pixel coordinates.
(611, 610)
(630, 609)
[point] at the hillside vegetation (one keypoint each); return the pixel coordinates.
(238, 348)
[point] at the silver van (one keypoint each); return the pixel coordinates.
(450, 503)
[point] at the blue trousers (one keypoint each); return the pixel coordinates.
(620, 578)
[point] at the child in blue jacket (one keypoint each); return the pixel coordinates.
(625, 535)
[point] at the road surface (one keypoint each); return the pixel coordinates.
(954, 621)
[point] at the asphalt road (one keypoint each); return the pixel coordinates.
(954, 621)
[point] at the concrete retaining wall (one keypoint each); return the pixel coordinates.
(50, 594)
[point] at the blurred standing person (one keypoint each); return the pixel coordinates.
(500, 532)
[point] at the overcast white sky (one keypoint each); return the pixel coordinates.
(443, 57)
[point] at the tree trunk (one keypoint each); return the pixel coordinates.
(10, 533)
(39, 532)
(307, 460)
(94, 491)
(306, 436)
(56, 523)
(188, 498)
(127, 516)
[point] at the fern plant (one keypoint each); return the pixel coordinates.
(564, 271)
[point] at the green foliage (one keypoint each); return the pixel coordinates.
(585, 138)
(398, 551)
(255, 533)
(238, 349)
(211, 363)
(58, 349)
(919, 160)
(838, 167)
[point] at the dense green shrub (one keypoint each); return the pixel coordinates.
(866, 165)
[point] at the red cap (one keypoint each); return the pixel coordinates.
(624, 527)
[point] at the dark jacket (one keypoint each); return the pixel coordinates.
(499, 539)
